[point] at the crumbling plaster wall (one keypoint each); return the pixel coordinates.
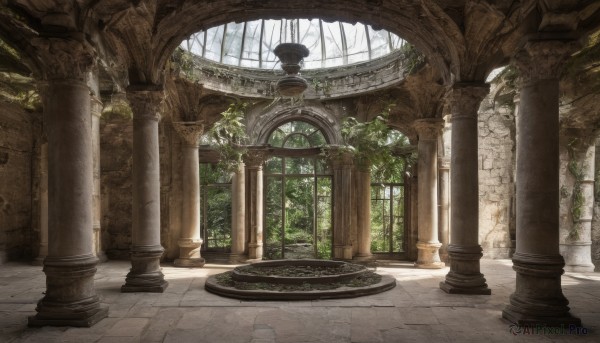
(596, 213)
(16, 196)
(496, 181)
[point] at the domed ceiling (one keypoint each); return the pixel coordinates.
(331, 44)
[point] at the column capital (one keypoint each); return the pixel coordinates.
(189, 131)
(254, 157)
(340, 158)
(542, 59)
(428, 128)
(146, 103)
(65, 58)
(465, 98)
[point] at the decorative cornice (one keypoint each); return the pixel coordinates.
(65, 58)
(146, 104)
(465, 99)
(189, 131)
(543, 59)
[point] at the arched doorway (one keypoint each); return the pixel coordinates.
(297, 194)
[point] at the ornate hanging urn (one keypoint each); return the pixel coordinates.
(291, 55)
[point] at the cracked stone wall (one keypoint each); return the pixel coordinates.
(16, 149)
(496, 179)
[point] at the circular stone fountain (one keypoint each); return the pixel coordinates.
(298, 280)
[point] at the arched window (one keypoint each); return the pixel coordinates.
(297, 188)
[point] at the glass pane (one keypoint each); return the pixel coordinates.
(397, 42)
(317, 139)
(274, 165)
(356, 42)
(323, 218)
(299, 214)
(299, 165)
(380, 203)
(380, 44)
(277, 137)
(250, 55)
(322, 166)
(333, 44)
(296, 141)
(233, 43)
(271, 38)
(398, 194)
(214, 43)
(217, 217)
(310, 36)
(273, 218)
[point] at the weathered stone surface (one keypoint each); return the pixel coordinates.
(496, 168)
(16, 148)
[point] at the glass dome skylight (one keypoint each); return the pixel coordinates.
(251, 44)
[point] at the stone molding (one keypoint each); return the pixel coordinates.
(146, 104)
(65, 58)
(465, 99)
(428, 128)
(543, 59)
(255, 157)
(189, 131)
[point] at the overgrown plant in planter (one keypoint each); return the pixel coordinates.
(229, 136)
(372, 144)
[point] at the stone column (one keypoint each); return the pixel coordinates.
(43, 249)
(464, 250)
(96, 108)
(538, 297)
(363, 209)
(254, 159)
(428, 244)
(444, 207)
(577, 206)
(342, 165)
(70, 298)
(190, 241)
(238, 220)
(145, 274)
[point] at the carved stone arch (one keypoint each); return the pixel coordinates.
(320, 118)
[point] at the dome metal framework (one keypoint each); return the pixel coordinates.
(332, 44)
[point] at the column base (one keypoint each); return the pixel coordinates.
(70, 298)
(577, 256)
(238, 258)
(38, 261)
(145, 274)
(365, 257)
(538, 298)
(255, 251)
(189, 262)
(428, 256)
(464, 276)
(86, 319)
(342, 252)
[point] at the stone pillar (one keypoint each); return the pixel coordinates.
(444, 207)
(342, 165)
(464, 250)
(190, 241)
(254, 159)
(238, 220)
(145, 274)
(363, 209)
(70, 298)
(43, 249)
(428, 244)
(96, 108)
(538, 297)
(578, 206)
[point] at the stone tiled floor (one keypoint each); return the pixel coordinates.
(415, 311)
